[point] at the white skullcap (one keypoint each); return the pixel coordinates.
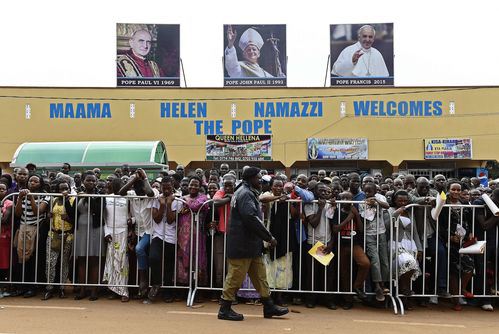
(250, 36)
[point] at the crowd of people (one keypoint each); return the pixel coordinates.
(141, 236)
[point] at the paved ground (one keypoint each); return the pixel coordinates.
(18, 315)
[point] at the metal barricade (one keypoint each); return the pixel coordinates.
(83, 258)
(36, 259)
(312, 278)
(442, 268)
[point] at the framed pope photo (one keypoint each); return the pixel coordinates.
(254, 55)
(361, 54)
(148, 55)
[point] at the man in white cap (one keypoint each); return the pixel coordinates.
(361, 59)
(250, 43)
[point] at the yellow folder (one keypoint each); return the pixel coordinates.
(316, 253)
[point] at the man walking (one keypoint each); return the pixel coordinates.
(245, 246)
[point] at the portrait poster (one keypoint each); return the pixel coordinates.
(239, 148)
(337, 148)
(148, 55)
(448, 148)
(254, 55)
(361, 54)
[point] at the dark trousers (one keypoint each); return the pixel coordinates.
(314, 273)
(162, 262)
(436, 245)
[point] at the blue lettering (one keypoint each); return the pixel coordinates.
(391, 108)
(69, 112)
(427, 108)
(270, 111)
(374, 107)
(236, 124)
(320, 108)
(257, 124)
(56, 110)
(361, 108)
(416, 108)
(209, 127)
(106, 110)
(259, 110)
(175, 110)
(93, 110)
(282, 109)
(219, 127)
(165, 110)
(295, 110)
(304, 111)
(80, 110)
(266, 126)
(437, 108)
(191, 108)
(183, 114)
(201, 106)
(247, 128)
(198, 126)
(382, 108)
(403, 108)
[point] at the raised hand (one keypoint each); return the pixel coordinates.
(231, 36)
(356, 56)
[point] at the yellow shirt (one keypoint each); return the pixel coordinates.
(57, 211)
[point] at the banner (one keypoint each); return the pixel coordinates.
(448, 148)
(148, 55)
(337, 148)
(361, 54)
(239, 147)
(254, 55)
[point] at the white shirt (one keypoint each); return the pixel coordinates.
(323, 231)
(142, 211)
(117, 216)
(370, 214)
(163, 230)
(370, 64)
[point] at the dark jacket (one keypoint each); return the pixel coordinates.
(246, 230)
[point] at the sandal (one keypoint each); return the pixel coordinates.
(125, 299)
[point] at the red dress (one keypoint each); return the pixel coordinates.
(5, 234)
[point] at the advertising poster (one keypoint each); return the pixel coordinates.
(448, 148)
(148, 55)
(337, 148)
(361, 54)
(239, 147)
(254, 55)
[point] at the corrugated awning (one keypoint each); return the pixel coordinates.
(92, 154)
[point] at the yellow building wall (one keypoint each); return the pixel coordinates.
(394, 139)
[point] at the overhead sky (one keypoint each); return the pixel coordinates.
(73, 43)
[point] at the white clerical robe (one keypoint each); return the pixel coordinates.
(242, 69)
(370, 64)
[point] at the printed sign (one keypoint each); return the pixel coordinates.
(148, 55)
(361, 54)
(239, 147)
(337, 148)
(255, 55)
(448, 148)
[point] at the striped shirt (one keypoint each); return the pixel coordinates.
(30, 217)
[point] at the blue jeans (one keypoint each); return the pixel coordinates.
(142, 250)
(442, 260)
